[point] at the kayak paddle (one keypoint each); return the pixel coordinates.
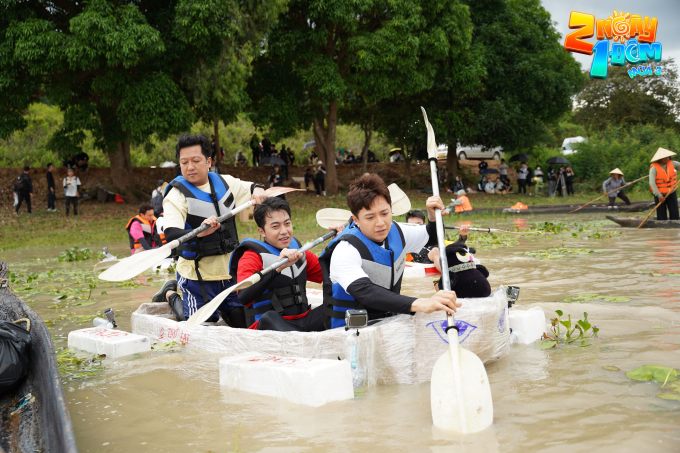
(139, 262)
(460, 390)
(208, 309)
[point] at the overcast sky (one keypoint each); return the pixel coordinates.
(667, 11)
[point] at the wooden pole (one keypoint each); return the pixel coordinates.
(601, 196)
(657, 206)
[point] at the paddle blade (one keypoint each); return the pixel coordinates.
(208, 309)
(276, 191)
(136, 264)
(475, 399)
(431, 142)
(328, 217)
(100, 266)
(400, 201)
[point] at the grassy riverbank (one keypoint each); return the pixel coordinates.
(104, 223)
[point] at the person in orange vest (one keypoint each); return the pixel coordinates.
(460, 204)
(140, 229)
(662, 183)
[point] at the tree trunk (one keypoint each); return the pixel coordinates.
(407, 166)
(121, 167)
(452, 163)
(325, 143)
(218, 154)
(368, 134)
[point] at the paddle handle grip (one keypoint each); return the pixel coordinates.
(446, 282)
(303, 249)
(195, 232)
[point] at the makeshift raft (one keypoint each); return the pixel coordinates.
(650, 223)
(401, 349)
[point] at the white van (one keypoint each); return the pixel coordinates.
(472, 152)
(569, 145)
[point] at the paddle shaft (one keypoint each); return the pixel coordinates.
(611, 191)
(303, 249)
(446, 283)
(660, 203)
(195, 232)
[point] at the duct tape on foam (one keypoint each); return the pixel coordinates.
(399, 350)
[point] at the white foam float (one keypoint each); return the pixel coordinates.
(113, 343)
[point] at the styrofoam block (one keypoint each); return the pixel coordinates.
(113, 343)
(528, 325)
(313, 382)
(314, 297)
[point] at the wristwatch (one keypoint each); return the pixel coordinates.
(254, 186)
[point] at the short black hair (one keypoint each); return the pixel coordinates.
(26, 168)
(49, 165)
(145, 207)
(189, 140)
(416, 214)
(269, 205)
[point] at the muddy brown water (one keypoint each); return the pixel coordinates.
(554, 400)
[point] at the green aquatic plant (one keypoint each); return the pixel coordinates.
(581, 298)
(667, 376)
(555, 252)
(580, 330)
(76, 366)
(76, 254)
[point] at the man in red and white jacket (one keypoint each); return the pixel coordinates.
(278, 301)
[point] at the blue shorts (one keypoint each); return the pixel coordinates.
(192, 296)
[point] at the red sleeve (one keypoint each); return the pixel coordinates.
(313, 268)
(249, 263)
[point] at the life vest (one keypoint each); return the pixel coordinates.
(466, 206)
(384, 267)
(202, 205)
(158, 236)
(147, 228)
(665, 181)
(287, 292)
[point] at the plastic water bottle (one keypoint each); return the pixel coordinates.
(513, 338)
(101, 322)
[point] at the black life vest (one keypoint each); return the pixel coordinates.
(287, 293)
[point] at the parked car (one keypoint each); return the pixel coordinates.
(569, 145)
(472, 152)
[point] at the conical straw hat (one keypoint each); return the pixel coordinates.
(616, 171)
(661, 153)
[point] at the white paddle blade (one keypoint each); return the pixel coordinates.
(476, 395)
(136, 264)
(276, 191)
(329, 217)
(431, 142)
(100, 266)
(208, 309)
(400, 201)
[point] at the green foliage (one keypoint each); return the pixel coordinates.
(581, 298)
(580, 330)
(655, 373)
(74, 365)
(555, 252)
(76, 254)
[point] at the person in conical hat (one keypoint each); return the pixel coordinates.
(662, 183)
(614, 182)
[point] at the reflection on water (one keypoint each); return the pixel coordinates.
(544, 400)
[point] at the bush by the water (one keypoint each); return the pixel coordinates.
(76, 254)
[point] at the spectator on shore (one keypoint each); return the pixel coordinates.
(482, 183)
(82, 161)
(530, 175)
(266, 146)
(309, 178)
(274, 152)
(312, 157)
(291, 156)
(396, 156)
(71, 191)
(157, 198)
(482, 166)
(489, 186)
(522, 175)
(569, 176)
(503, 170)
(552, 180)
(561, 179)
(159, 189)
(614, 182)
(23, 190)
(458, 185)
(70, 162)
(350, 159)
(51, 195)
(241, 159)
(255, 148)
(501, 188)
(538, 174)
(320, 180)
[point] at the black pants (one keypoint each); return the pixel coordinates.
(313, 322)
(73, 200)
(320, 186)
(570, 188)
(256, 158)
(284, 170)
(670, 204)
(22, 195)
(51, 198)
(522, 186)
(621, 196)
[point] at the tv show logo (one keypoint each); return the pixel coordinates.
(621, 39)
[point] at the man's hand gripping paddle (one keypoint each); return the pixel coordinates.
(139, 262)
(460, 390)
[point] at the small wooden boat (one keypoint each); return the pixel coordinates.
(636, 206)
(35, 415)
(650, 223)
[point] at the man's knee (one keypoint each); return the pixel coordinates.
(272, 320)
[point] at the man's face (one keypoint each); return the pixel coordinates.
(70, 173)
(50, 168)
(376, 221)
(148, 215)
(664, 161)
(278, 229)
(194, 165)
(416, 220)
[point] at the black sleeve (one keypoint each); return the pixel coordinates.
(174, 233)
(145, 244)
(376, 297)
(432, 233)
(30, 185)
(247, 295)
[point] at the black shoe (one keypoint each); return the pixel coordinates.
(177, 306)
(170, 285)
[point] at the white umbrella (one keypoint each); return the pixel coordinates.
(311, 144)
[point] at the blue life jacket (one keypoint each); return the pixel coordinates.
(383, 265)
(287, 292)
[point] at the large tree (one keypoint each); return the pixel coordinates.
(120, 70)
(320, 51)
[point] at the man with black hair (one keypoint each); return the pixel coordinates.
(363, 266)
(199, 197)
(140, 229)
(279, 300)
(23, 189)
(51, 196)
